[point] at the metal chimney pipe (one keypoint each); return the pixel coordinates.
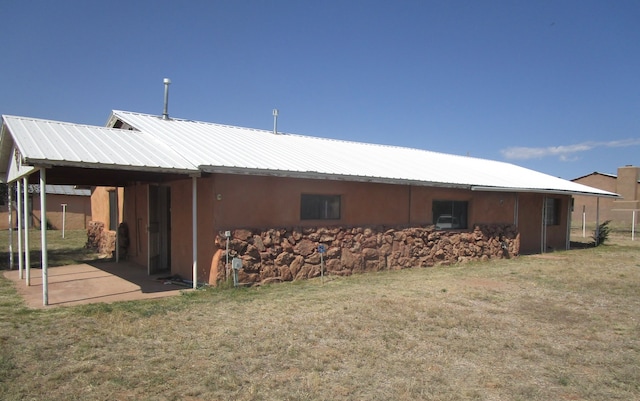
(165, 111)
(275, 121)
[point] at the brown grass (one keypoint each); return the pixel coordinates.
(564, 327)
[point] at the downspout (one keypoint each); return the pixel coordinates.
(568, 241)
(27, 258)
(515, 209)
(543, 236)
(597, 236)
(194, 229)
(409, 211)
(43, 235)
(19, 218)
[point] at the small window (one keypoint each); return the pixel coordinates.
(552, 211)
(319, 207)
(450, 215)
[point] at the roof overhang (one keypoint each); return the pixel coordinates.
(604, 194)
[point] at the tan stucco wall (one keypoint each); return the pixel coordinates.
(230, 202)
(100, 205)
(626, 184)
(136, 217)
(78, 212)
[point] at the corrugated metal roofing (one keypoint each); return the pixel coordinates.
(221, 148)
(67, 190)
(66, 144)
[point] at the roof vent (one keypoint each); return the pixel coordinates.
(275, 121)
(165, 111)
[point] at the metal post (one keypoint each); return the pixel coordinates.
(27, 257)
(597, 221)
(633, 225)
(10, 210)
(117, 226)
(19, 218)
(64, 216)
(584, 221)
(194, 229)
(43, 235)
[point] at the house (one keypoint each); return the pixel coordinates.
(197, 194)
(68, 207)
(620, 211)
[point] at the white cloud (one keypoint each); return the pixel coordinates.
(564, 152)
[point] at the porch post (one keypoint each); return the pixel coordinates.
(194, 228)
(117, 227)
(10, 210)
(19, 218)
(43, 235)
(27, 258)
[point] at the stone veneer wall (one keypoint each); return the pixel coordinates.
(292, 253)
(100, 240)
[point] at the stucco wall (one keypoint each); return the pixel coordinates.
(626, 184)
(100, 205)
(232, 202)
(589, 203)
(77, 216)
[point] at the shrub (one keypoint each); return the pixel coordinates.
(601, 233)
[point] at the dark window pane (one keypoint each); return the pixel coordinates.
(449, 215)
(319, 207)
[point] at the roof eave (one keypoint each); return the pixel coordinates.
(546, 191)
(46, 163)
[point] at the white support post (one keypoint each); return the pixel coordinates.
(633, 225)
(10, 210)
(194, 228)
(43, 235)
(117, 226)
(19, 218)
(27, 257)
(584, 221)
(64, 216)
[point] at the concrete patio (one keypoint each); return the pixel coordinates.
(93, 283)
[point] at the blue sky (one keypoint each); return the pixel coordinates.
(549, 85)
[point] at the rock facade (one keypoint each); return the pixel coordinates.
(100, 240)
(292, 253)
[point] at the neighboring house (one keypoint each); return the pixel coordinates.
(66, 204)
(619, 211)
(289, 201)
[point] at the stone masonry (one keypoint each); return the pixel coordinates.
(292, 253)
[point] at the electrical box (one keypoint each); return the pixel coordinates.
(236, 263)
(227, 234)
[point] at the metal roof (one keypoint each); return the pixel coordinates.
(67, 190)
(222, 148)
(46, 142)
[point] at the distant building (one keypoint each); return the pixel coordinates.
(76, 211)
(619, 211)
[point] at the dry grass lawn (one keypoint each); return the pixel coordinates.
(563, 326)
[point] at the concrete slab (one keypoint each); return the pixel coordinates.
(93, 283)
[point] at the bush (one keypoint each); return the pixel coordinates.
(601, 233)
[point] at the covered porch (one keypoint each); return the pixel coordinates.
(95, 282)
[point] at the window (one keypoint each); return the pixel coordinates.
(551, 211)
(319, 207)
(449, 214)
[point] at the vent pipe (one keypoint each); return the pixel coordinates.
(165, 111)
(275, 121)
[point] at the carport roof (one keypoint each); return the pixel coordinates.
(53, 143)
(237, 150)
